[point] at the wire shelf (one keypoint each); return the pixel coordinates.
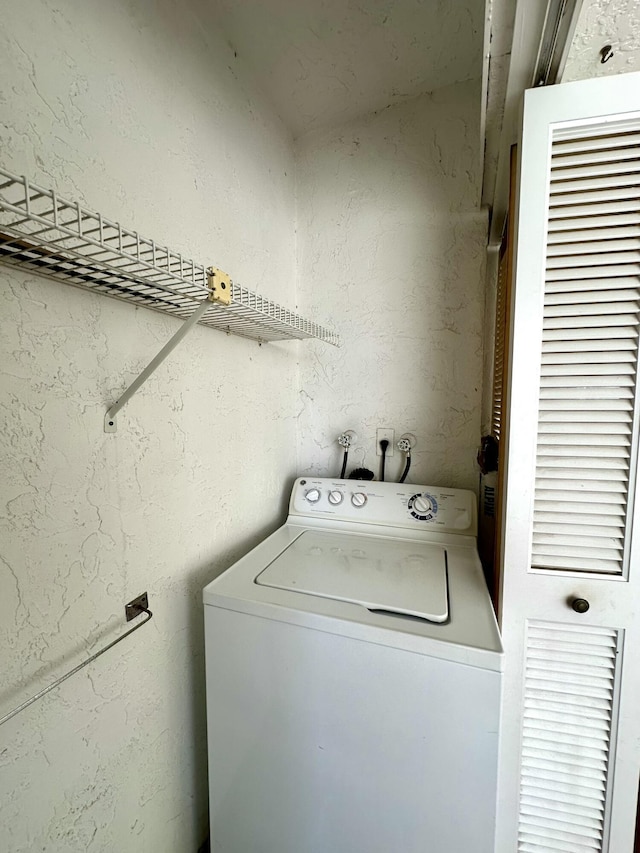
(59, 238)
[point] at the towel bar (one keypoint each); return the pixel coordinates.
(132, 609)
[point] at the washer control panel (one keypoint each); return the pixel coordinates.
(391, 504)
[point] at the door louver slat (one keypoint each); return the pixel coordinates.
(587, 791)
(587, 359)
(544, 765)
(539, 796)
(564, 298)
(585, 444)
(601, 164)
(612, 135)
(592, 241)
(557, 715)
(588, 678)
(595, 709)
(589, 336)
(564, 563)
(563, 184)
(553, 489)
(569, 196)
(542, 768)
(594, 209)
(599, 409)
(593, 222)
(581, 313)
(548, 532)
(602, 519)
(607, 242)
(559, 847)
(558, 819)
(574, 503)
(594, 393)
(563, 785)
(560, 443)
(582, 274)
(555, 422)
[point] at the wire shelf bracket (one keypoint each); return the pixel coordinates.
(58, 238)
(219, 286)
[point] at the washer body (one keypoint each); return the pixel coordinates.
(353, 679)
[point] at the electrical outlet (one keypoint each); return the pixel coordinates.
(382, 434)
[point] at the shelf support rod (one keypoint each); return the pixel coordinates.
(220, 287)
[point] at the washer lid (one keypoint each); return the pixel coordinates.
(396, 575)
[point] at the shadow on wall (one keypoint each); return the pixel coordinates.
(198, 579)
(63, 664)
(391, 234)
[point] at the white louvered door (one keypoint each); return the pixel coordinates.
(570, 741)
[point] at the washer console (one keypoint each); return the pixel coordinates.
(392, 504)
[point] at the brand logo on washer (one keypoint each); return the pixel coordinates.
(423, 506)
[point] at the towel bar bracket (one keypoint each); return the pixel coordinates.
(136, 607)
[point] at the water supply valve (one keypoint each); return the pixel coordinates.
(347, 438)
(406, 442)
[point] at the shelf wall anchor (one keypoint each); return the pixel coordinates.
(219, 284)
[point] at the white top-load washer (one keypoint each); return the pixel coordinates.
(353, 678)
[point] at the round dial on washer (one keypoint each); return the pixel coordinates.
(313, 496)
(423, 506)
(335, 497)
(358, 499)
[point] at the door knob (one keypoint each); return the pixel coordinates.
(580, 605)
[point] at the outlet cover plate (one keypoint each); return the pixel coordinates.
(382, 434)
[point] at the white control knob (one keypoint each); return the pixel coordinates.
(335, 497)
(313, 496)
(422, 505)
(358, 499)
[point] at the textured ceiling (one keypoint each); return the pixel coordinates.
(601, 22)
(322, 62)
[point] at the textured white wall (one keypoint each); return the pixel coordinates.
(128, 108)
(324, 62)
(142, 111)
(391, 240)
(601, 22)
